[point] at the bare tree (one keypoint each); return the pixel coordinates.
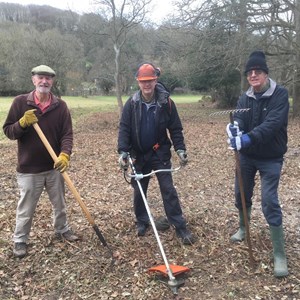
(123, 16)
(239, 27)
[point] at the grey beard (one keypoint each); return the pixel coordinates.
(43, 90)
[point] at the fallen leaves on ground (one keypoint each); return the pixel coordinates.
(88, 270)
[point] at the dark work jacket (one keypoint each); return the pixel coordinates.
(266, 121)
(55, 123)
(147, 131)
(166, 121)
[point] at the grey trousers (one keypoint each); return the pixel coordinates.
(31, 187)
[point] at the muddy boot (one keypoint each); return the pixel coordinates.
(280, 263)
(240, 234)
(68, 235)
(20, 250)
(186, 236)
(142, 228)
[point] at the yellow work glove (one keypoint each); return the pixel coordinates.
(62, 162)
(29, 118)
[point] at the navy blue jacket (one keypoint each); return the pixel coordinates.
(166, 121)
(266, 121)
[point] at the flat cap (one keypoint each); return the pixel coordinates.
(43, 70)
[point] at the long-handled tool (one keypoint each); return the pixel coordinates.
(240, 179)
(242, 192)
(169, 270)
(72, 187)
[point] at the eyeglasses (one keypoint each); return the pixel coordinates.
(254, 73)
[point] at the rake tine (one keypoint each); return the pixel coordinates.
(231, 111)
(226, 112)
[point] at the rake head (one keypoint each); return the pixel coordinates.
(228, 112)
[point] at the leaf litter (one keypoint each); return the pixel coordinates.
(55, 270)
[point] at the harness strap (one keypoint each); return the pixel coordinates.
(156, 146)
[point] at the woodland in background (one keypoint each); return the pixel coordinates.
(201, 46)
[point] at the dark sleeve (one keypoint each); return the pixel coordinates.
(241, 116)
(66, 138)
(11, 127)
(175, 128)
(275, 118)
(124, 136)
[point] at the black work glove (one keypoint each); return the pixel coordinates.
(123, 160)
(182, 156)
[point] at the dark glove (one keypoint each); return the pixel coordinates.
(29, 118)
(182, 156)
(239, 142)
(62, 162)
(233, 130)
(123, 160)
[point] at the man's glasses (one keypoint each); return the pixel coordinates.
(254, 73)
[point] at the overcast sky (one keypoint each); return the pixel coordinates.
(161, 7)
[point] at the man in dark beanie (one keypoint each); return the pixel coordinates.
(260, 136)
(257, 61)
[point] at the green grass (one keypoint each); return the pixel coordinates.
(80, 106)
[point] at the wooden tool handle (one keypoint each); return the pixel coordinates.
(64, 174)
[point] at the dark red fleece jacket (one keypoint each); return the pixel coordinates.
(55, 122)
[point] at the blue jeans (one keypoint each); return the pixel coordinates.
(269, 171)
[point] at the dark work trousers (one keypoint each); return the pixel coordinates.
(269, 171)
(167, 189)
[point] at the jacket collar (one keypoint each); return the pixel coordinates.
(161, 95)
(30, 97)
(268, 93)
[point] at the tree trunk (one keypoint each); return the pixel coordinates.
(242, 44)
(296, 90)
(117, 79)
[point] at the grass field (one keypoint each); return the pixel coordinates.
(80, 106)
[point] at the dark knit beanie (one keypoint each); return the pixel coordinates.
(257, 61)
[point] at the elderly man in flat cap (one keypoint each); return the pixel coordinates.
(35, 168)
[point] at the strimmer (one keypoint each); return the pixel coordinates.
(168, 270)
